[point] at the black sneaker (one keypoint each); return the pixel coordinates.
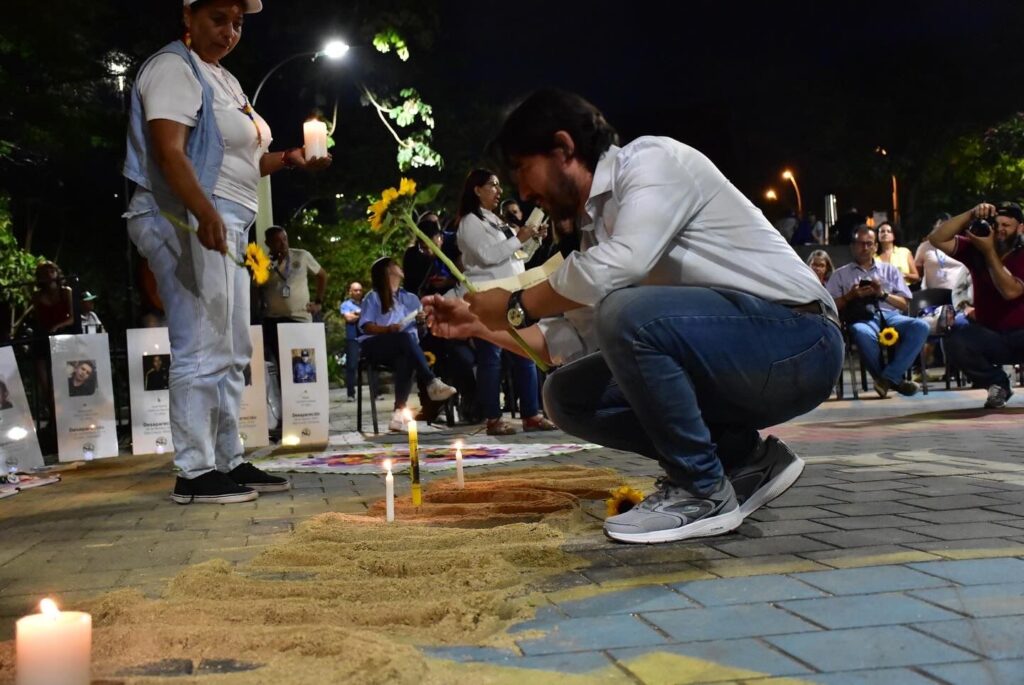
(247, 475)
(774, 468)
(211, 488)
(673, 513)
(997, 396)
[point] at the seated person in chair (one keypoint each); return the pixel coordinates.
(389, 336)
(990, 248)
(870, 296)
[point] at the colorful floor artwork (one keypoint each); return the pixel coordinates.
(432, 457)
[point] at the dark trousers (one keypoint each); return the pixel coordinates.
(403, 354)
(980, 353)
(351, 365)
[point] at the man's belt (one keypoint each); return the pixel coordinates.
(816, 307)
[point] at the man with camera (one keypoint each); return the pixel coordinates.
(990, 248)
(872, 296)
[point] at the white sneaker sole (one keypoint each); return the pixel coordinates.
(715, 525)
(773, 488)
(214, 499)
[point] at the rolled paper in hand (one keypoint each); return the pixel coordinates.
(536, 217)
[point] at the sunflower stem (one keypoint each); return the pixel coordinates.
(530, 352)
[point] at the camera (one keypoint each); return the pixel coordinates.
(980, 228)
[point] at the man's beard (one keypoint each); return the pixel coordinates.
(564, 203)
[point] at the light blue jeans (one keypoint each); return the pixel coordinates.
(206, 299)
(688, 375)
(913, 335)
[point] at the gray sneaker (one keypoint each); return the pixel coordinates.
(774, 468)
(673, 513)
(997, 396)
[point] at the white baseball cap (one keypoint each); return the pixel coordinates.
(251, 6)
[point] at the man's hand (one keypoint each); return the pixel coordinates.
(984, 211)
(313, 308)
(985, 244)
(490, 306)
(212, 233)
(451, 318)
(876, 289)
(969, 312)
(859, 292)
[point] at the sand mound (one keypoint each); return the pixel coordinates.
(345, 597)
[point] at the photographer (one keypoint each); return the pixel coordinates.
(870, 296)
(990, 248)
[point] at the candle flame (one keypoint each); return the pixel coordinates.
(387, 465)
(290, 440)
(49, 608)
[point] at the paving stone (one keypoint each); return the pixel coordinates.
(980, 601)
(879, 676)
(782, 544)
(994, 638)
(860, 611)
(962, 516)
(658, 554)
(761, 529)
(882, 521)
(972, 549)
(870, 537)
(788, 513)
(577, 662)
(976, 572)
(953, 502)
(633, 601)
(651, 573)
(726, 622)
(795, 497)
(880, 555)
(866, 486)
(871, 508)
(758, 566)
(964, 531)
(863, 581)
(725, 591)
(716, 661)
(868, 648)
(602, 632)
(980, 672)
(871, 496)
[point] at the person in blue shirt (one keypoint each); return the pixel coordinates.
(389, 336)
(350, 310)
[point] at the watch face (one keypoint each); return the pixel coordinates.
(515, 317)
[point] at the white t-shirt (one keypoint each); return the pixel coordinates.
(940, 270)
(171, 91)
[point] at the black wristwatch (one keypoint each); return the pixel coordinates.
(516, 313)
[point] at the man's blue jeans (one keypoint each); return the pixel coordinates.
(351, 365)
(688, 375)
(980, 353)
(913, 335)
(488, 381)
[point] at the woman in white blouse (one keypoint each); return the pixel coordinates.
(492, 249)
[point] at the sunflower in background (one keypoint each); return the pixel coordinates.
(430, 357)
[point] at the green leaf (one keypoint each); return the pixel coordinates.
(427, 195)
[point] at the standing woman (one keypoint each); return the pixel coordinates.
(492, 249)
(196, 150)
(900, 257)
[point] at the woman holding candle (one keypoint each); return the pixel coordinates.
(388, 323)
(196, 151)
(492, 249)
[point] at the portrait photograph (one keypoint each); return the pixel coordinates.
(303, 365)
(155, 371)
(81, 377)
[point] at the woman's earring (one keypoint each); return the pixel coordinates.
(187, 38)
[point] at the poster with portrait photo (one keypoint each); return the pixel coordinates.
(149, 363)
(252, 418)
(18, 442)
(83, 396)
(304, 389)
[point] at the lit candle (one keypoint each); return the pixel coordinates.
(53, 647)
(414, 459)
(314, 137)
(389, 493)
(460, 479)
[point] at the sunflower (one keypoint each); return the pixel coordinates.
(257, 262)
(622, 500)
(888, 337)
(430, 357)
(379, 209)
(407, 187)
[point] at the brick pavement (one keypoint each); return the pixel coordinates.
(897, 558)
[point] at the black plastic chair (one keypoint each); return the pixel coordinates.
(923, 299)
(372, 370)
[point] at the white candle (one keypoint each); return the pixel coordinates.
(53, 647)
(389, 493)
(460, 479)
(314, 137)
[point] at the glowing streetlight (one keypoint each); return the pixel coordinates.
(770, 195)
(788, 176)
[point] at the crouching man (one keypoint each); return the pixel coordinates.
(683, 325)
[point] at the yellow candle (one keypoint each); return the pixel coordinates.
(414, 459)
(53, 647)
(314, 138)
(460, 479)
(389, 493)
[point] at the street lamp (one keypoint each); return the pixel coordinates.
(333, 50)
(770, 195)
(788, 176)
